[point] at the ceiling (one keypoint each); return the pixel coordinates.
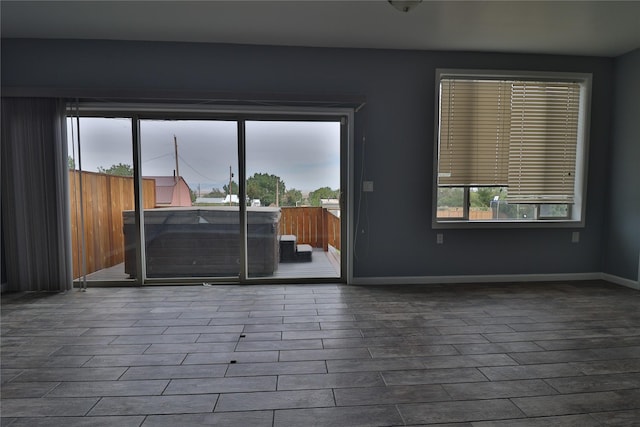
(595, 28)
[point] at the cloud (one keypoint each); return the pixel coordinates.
(306, 155)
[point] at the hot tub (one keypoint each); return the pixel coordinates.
(203, 241)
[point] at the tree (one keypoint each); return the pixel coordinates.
(291, 197)
(234, 188)
(71, 162)
(216, 192)
(483, 196)
(262, 186)
(449, 197)
(322, 193)
(120, 169)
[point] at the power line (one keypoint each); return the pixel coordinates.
(157, 157)
(195, 170)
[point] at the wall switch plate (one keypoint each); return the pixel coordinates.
(439, 238)
(367, 186)
(575, 237)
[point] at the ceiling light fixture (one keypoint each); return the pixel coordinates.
(404, 5)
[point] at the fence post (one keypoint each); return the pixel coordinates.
(325, 230)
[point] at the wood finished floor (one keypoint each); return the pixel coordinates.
(323, 355)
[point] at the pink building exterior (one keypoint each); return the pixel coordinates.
(171, 191)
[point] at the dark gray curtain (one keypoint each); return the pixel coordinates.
(35, 202)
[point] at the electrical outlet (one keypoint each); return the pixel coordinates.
(575, 237)
(367, 186)
(439, 238)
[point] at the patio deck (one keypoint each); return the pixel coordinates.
(322, 265)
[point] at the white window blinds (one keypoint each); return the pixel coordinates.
(518, 134)
(543, 143)
(474, 132)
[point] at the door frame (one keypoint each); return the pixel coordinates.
(240, 114)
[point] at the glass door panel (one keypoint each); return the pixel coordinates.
(190, 194)
(293, 199)
(100, 189)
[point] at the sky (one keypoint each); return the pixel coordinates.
(305, 155)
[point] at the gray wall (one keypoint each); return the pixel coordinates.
(622, 234)
(398, 120)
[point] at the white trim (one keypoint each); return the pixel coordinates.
(498, 278)
(621, 281)
(239, 114)
(578, 208)
(347, 259)
(169, 109)
(549, 76)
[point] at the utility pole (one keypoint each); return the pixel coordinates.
(277, 192)
(177, 176)
(230, 180)
(175, 145)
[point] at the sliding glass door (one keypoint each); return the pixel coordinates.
(101, 188)
(192, 229)
(293, 196)
(184, 197)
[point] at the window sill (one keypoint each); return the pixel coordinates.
(479, 224)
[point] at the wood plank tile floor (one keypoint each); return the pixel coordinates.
(563, 354)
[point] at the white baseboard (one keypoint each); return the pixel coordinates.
(620, 281)
(495, 278)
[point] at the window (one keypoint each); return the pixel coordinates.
(510, 148)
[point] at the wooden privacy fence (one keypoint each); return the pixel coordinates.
(104, 198)
(311, 225)
(457, 213)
